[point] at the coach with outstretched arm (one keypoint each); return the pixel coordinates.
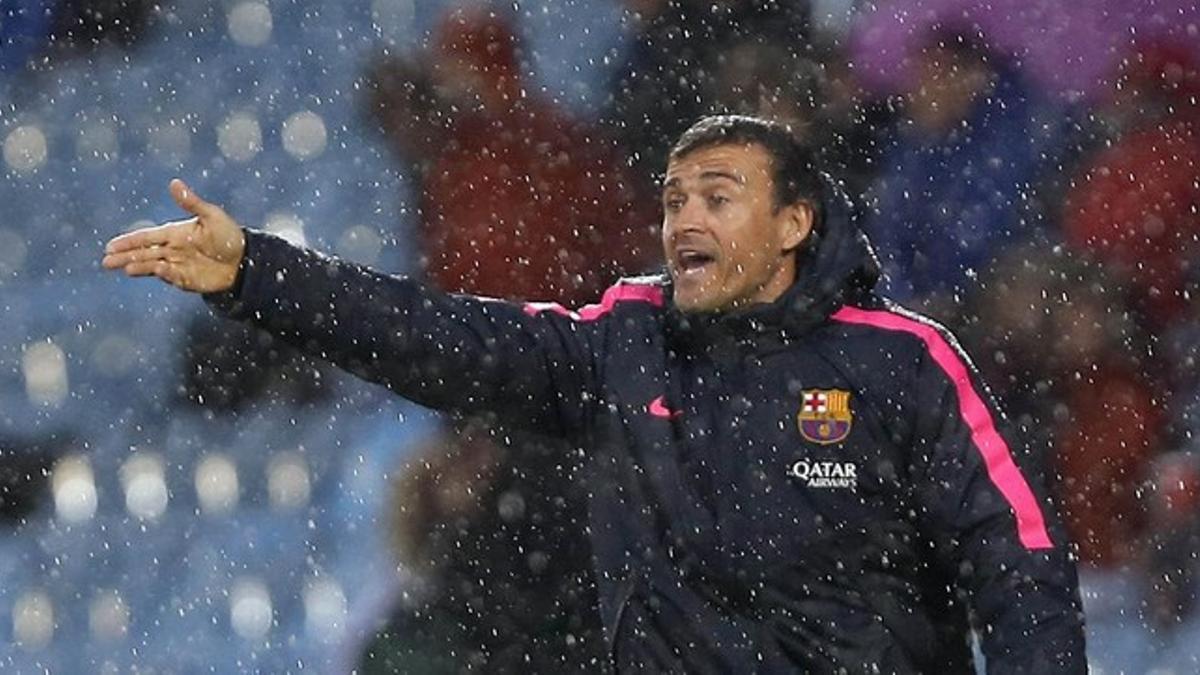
(787, 472)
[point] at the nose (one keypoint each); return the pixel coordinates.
(689, 219)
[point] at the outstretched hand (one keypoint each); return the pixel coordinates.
(200, 254)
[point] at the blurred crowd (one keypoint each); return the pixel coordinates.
(1056, 234)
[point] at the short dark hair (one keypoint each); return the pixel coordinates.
(795, 173)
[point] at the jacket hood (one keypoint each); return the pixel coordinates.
(836, 264)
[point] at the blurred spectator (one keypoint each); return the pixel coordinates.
(1172, 552)
(1180, 353)
(23, 475)
(856, 123)
(668, 70)
(1081, 396)
(956, 183)
(79, 26)
(518, 199)
(491, 524)
(771, 80)
(1134, 203)
(406, 107)
(1110, 424)
(815, 94)
(439, 494)
(62, 29)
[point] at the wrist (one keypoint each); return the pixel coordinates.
(238, 274)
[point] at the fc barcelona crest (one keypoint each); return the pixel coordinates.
(824, 415)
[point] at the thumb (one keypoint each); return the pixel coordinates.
(188, 200)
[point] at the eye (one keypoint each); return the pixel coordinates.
(716, 200)
(673, 203)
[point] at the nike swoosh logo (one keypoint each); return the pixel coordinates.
(659, 409)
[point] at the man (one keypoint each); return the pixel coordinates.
(786, 472)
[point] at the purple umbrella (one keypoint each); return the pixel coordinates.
(1071, 47)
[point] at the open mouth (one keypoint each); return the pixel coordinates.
(689, 261)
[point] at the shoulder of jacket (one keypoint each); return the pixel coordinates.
(885, 316)
(646, 291)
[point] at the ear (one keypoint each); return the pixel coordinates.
(796, 221)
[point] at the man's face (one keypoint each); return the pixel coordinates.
(725, 244)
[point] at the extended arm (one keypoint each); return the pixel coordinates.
(448, 352)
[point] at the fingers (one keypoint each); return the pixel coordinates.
(114, 261)
(160, 235)
(144, 268)
(188, 200)
(162, 269)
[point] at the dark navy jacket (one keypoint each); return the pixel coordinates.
(821, 484)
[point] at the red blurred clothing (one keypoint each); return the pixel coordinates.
(1135, 205)
(1135, 208)
(524, 202)
(1102, 453)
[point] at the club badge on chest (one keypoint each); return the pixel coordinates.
(824, 415)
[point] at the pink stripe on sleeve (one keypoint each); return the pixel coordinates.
(535, 308)
(621, 292)
(998, 458)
